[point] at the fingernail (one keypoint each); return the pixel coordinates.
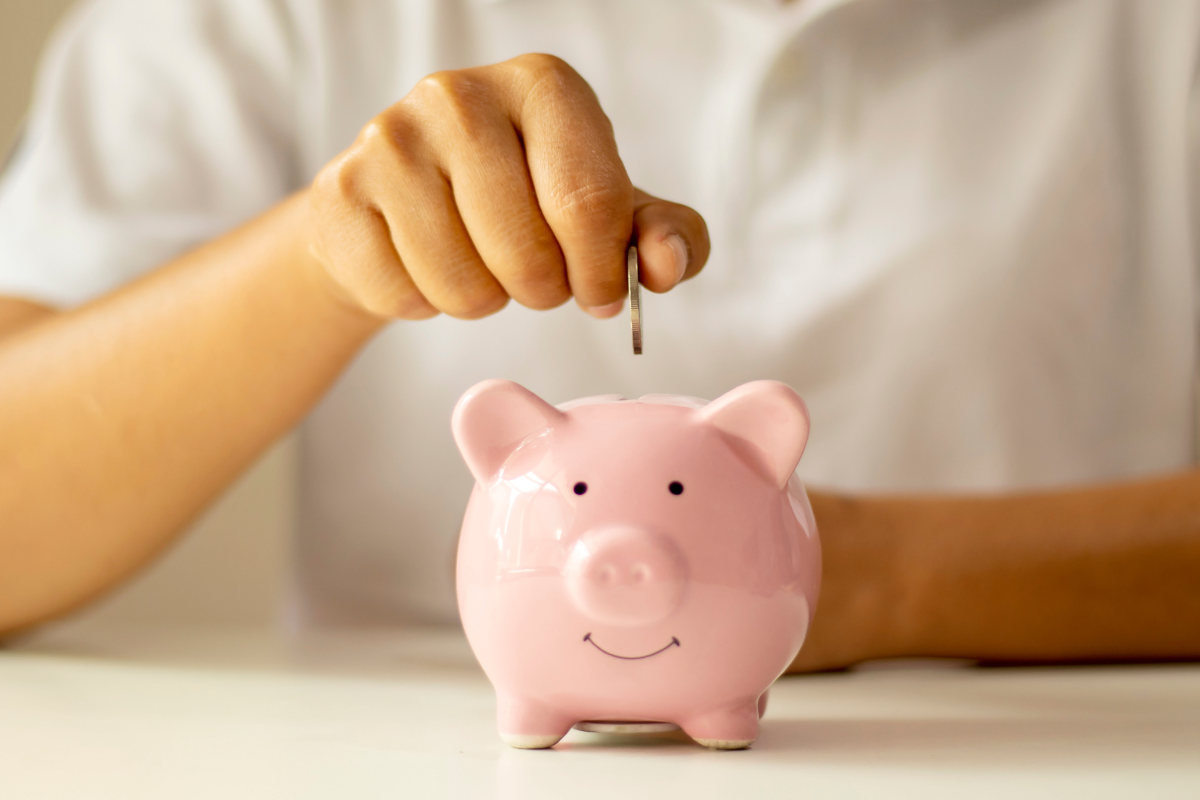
(679, 250)
(604, 312)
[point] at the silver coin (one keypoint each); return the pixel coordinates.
(605, 726)
(635, 299)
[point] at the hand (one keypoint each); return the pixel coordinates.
(490, 183)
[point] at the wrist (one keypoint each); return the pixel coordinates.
(867, 608)
(330, 293)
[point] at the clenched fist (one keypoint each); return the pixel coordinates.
(490, 183)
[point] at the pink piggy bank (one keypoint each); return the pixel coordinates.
(635, 564)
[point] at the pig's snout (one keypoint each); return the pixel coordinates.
(626, 576)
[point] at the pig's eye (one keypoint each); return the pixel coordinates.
(581, 487)
(676, 487)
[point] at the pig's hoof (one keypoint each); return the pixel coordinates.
(726, 744)
(530, 742)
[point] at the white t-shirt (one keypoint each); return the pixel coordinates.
(963, 231)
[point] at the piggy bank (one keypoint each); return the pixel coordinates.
(635, 564)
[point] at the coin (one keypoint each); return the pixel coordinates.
(635, 299)
(604, 726)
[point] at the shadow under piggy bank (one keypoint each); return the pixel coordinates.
(869, 754)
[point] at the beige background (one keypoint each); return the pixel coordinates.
(231, 567)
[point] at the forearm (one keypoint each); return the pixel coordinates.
(1095, 574)
(121, 420)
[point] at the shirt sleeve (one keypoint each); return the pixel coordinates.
(156, 125)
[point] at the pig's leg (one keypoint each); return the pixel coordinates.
(733, 727)
(528, 725)
(762, 703)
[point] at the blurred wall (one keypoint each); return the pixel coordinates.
(231, 567)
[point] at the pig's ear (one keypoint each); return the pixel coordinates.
(766, 422)
(492, 419)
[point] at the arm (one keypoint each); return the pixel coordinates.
(16, 314)
(122, 419)
(125, 418)
(1094, 574)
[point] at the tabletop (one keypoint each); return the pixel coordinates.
(135, 712)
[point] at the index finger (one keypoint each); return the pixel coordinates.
(581, 185)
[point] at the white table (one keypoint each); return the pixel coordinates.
(93, 713)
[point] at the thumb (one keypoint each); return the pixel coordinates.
(672, 241)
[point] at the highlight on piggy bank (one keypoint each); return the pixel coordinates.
(635, 564)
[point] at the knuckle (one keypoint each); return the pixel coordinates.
(595, 206)
(447, 84)
(541, 72)
(383, 289)
(375, 133)
(389, 137)
(478, 303)
(338, 182)
(545, 299)
(597, 284)
(453, 106)
(539, 292)
(381, 133)
(603, 289)
(526, 260)
(542, 65)
(540, 282)
(453, 96)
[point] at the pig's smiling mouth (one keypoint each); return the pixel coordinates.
(673, 643)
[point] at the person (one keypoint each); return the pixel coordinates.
(960, 230)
